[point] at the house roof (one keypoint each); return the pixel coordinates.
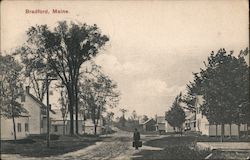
(160, 119)
(43, 106)
(148, 121)
(58, 115)
(56, 122)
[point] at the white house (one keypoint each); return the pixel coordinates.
(162, 126)
(22, 127)
(34, 122)
(88, 126)
(203, 126)
(85, 126)
(149, 125)
(190, 121)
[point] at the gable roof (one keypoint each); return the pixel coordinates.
(148, 121)
(42, 106)
(160, 119)
(58, 116)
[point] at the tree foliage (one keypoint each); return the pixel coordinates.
(145, 118)
(97, 92)
(10, 89)
(176, 115)
(224, 85)
(63, 50)
(11, 86)
(122, 119)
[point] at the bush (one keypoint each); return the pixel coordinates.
(20, 141)
(44, 136)
(54, 137)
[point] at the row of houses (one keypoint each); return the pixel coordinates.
(196, 122)
(205, 128)
(35, 121)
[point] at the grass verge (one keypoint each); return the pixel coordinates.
(174, 147)
(37, 147)
(230, 155)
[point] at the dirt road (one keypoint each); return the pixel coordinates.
(117, 146)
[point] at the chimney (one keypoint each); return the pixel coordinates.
(28, 89)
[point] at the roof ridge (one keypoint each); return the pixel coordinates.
(38, 101)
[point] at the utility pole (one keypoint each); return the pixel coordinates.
(47, 79)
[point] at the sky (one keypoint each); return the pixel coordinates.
(154, 45)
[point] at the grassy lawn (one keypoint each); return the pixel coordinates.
(37, 146)
(174, 147)
(204, 138)
(230, 155)
(218, 139)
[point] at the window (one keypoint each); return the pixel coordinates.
(83, 128)
(23, 98)
(26, 127)
(19, 127)
(42, 122)
(55, 128)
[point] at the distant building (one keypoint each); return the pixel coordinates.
(162, 126)
(190, 121)
(58, 126)
(88, 126)
(149, 125)
(205, 128)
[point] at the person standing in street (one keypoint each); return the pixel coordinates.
(136, 137)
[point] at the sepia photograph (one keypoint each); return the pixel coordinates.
(124, 80)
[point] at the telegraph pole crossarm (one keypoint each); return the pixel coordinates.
(47, 79)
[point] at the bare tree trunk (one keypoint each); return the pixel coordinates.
(230, 130)
(71, 114)
(239, 131)
(222, 132)
(216, 129)
(94, 121)
(247, 131)
(95, 128)
(13, 116)
(14, 126)
(71, 108)
(64, 127)
(76, 106)
(71, 121)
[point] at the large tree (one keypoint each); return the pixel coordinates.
(193, 89)
(224, 84)
(110, 117)
(63, 50)
(63, 102)
(176, 115)
(11, 89)
(122, 118)
(97, 93)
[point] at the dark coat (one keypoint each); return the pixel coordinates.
(137, 136)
